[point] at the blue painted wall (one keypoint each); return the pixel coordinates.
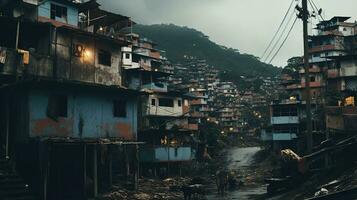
(44, 10)
(90, 112)
(164, 154)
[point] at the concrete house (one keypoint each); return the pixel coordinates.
(68, 124)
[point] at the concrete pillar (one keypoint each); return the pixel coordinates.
(84, 170)
(95, 171)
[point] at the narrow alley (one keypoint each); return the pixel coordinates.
(241, 161)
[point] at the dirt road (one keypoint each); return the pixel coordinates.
(241, 160)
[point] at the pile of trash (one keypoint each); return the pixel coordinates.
(150, 189)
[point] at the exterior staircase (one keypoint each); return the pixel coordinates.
(12, 186)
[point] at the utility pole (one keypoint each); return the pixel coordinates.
(305, 18)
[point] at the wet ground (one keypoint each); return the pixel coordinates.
(241, 160)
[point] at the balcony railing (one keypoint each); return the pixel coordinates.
(285, 120)
(313, 84)
(166, 154)
(342, 72)
(328, 47)
(341, 110)
(192, 127)
(28, 64)
(278, 136)
(311, 70)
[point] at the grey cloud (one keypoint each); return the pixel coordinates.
(247, 25)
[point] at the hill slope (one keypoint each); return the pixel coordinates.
(179, 41)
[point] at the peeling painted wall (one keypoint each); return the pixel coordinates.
(87, 67)
(89, 115)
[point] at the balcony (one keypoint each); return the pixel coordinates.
(15, 63)
(198, 102)
(156, 87)
(342, 72)
(28, 64)
(341, 118)
(311, 70)
(293, 86)
(166, 154)
(333, 73)
(285, 120)
(191, 127)
(277, 136)
(328, 47)
(313, 84)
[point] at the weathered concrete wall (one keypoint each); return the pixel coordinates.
(89, 115)
(87, 67)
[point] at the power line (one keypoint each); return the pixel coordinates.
(282, 44)
(277, 31)
(316, 9)
(280, 37)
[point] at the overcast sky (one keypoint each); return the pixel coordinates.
(247, 25)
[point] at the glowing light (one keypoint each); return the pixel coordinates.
(101, 28)
(231, 129)
(87, 53)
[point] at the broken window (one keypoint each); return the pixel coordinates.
(57, 106)
(127, 56)
(179, 103)
(104, 58)
(58, 12)
(166, 102)
(153, 102)
(119, 108)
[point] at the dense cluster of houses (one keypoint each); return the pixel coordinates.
(84, 104)
(223, 102)
(333, 82)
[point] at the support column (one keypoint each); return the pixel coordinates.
(126, 162)
(137, 167)
(110, 170)
(45, 154)
(84, 171)
(95, 171)
(7, 120)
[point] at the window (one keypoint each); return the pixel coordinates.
(104, 58)
(127, 56)
(179, 103)
(166, 102)
(58, 12)
(119, 108)
(312, 79)
(153, 102)
(57, 106)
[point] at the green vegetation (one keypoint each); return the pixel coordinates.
(179, 42)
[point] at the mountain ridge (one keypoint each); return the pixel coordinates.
(181, 41)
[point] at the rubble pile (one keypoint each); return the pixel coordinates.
(150, 189)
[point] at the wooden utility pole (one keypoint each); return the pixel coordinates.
(305, 18)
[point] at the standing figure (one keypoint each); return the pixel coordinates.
(221, 181)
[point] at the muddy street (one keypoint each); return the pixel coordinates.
(241, 161)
